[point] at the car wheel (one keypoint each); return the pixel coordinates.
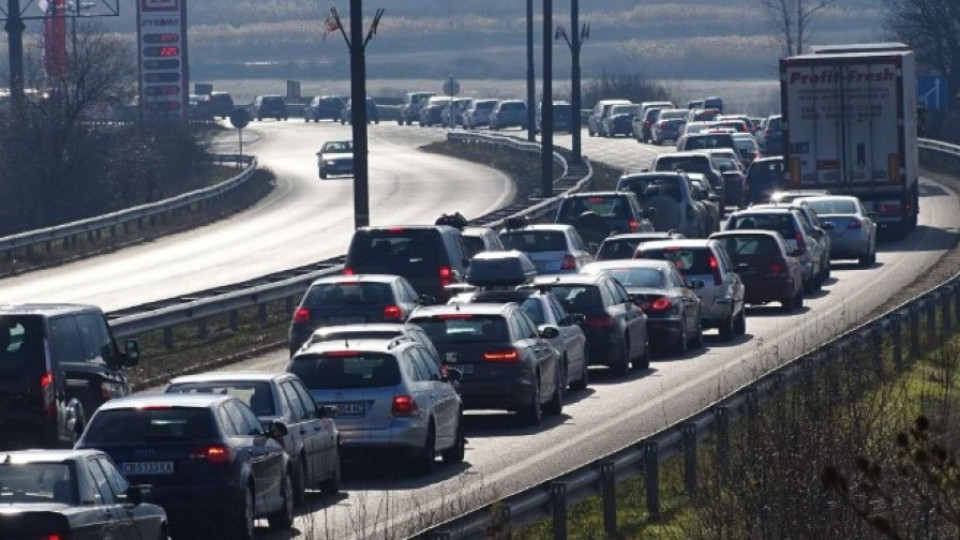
(300, 482)
(400, 121)
(873, 258)
(532, 413)
(644, 361)
(740, 325)
(622, 367)
(259, 119)
(331, 484)
(555, 405)
(584, 380)
(590, 132)
(427, 458)
(283, 518)
(323, 175)
(698, 337)
(306, 119)
(455, 453)
(727, 331)
(826, 272)
(864, 261)
(680, 347)
(245, 525)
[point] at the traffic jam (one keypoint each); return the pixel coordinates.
(428, 322)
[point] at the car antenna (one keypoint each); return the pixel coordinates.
(6, 460)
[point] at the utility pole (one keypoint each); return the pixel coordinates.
(15, 27)
(546, 104)
(580, 35)
(531, 82)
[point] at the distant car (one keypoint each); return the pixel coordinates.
(54, 494)
(479, 239)
(764, 263)
(212, 465)
(619, 120)
(222, 104)
(554, 249)
(722, 296)
(597, 214)
(642, 126)
(356, 299)
(199, 108)
(478, 113)
(773, 136)
(562, 121)
(692, 128)
(391, 397)
(615, 327)
(704, 192)
(506, 361)
(324, 108)
(854, 233)
(373, 113)
(410, 108)
(335, 157)
(623, 246)
(764, 178)
(668, 126)
(692, 162)
(670, 195)
(600, 111)
(747, 147)
(671, 307)
(457, 108)
(713, 102)
(431, 111)
(269, 106)
(705, 141)
(431, 257)
(312, 440)
(508, 113)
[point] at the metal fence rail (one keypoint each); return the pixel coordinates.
(924, 320)
(289, 286)
(92, 227)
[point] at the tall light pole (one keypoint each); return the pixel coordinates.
(546, 104)
(15, 27)
(580, 34)
(531, 82)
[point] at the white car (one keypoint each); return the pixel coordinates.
(554, 248)
(335, 157)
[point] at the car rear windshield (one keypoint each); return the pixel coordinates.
(745, 144)
(833, 206)
(37, 483)
(395, 251)
(638, 277)
(348, 293)
(474, 245)
(625, 109)
(529, 304)
(617, 249)
(773, 124)
(484, 105)
(782, 223)
(765, 172)
(648, 187)
(720, 140)
(700, 164)
(347, 335)
(512, 106)
(146, 424)
(750, 244)
(21, 345)
(606, 206)
(464, 328)
(535, 241)
(256, 394)
(724, 164)
(581, 299)
(346, 370)
(674, 114)
(692, 261)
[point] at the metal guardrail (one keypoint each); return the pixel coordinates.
(288, 286)
(553, 497)
(90, 227)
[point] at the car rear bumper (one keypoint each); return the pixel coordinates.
(401, 433)
(848, 248)
(664, 331)
(605, 350)
(503, 395)
(763, 290)
(718, 314)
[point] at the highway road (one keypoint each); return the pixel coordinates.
(502, 458)
(303, 220)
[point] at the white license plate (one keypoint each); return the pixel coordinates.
(351, 409)
(452, 357)
(345, 320)
(540, 266)
(137, 468)
(466, 369)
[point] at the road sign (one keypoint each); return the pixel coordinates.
(162, 48)
(932, 92)
(239, 118)
(451, 87)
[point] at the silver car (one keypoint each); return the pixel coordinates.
(722, 293)
(854, 233)
(312, 439)
(554, 248)
(390, 396)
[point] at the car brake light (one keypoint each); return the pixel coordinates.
(776, 268)
(446, 275)
(569, 262)
(801, 246)
(47, 391)
(347, 271)
(660, 304)
(215, 454)
(507, 355)
(404, 406)
(598, 321)
(392, 313)
(715, 266)
(634, 225)
(54, 537)
(454, 316)
(301, 315)
(342, 354)
(854, 225)
(396, 229)
(595, 199)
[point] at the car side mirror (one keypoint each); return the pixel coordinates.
(453, 375)
(133, 496)
(696, 284)
(427, 299)
(131, 353)
(277, 430)
(549, 332)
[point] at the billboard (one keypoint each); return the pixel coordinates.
(162, 53)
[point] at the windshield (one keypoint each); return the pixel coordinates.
(582, 299)
(754, 244)
(348, 293)
(611, 206)
(692, 261)
(535, 241)
(617, 249)
(256, 394)
(337, 147)
(346, 370)
(724, 164)
(625, 109)
(674, 114)
(464, 328)
(782, 223)
(21, 345)
(648, 188)
(833, 206)
(402, 251)
(698, 164)
(37, 483)
(708, 141)
(638, 277)
(147, 424)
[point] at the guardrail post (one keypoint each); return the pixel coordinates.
(651, 476)
(947, 320)
(558, 507)
(750, 398)
(234, 320)
(931, 304)
(202, 328)
(262, 313)
(690, 458)
(897, 330)
(168, 337)
(722, 413)
(608, 480)
(914, 334)
(956, 303)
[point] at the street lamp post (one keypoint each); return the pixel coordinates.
(531, 83)
(575, 42)
(546, 104)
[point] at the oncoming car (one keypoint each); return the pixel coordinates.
(335, 157)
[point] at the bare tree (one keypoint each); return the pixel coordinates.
(932, 28)
(791, 20)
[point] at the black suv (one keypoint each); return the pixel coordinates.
(269, 107)
(58, 364)
(324, 108)
(429, 256)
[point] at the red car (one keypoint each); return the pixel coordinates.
(768, 271)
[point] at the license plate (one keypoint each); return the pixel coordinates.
(138, 468)
(452, 357)
(540, 266)
(466, 369)
(746, 270)
(350, 409)
(345, 320)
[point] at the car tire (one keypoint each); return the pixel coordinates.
(331, 484)
(323, 175)
(590, 132)
(245, 525)
(644, 361)
(864, 261)
(622, 367)
(427, 457)
(584, 381)
(740, 324)
(727, 331)
(698, 338)
(456, 453)
(300, 482)
(873, 258)
(555, 406)
(680, 347)
(532, 414)
(283, 518)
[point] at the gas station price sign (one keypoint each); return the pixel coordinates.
(162, 48)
